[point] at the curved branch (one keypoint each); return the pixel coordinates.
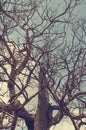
(53, 120)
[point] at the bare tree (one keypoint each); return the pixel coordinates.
(42, 64)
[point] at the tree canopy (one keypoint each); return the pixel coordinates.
(42, 64)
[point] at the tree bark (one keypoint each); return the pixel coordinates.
(41, 119)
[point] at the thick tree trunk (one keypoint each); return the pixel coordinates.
(29, 124)
(41, 120)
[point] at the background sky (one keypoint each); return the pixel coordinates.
(66, 124)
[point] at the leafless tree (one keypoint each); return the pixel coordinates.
(42, 64)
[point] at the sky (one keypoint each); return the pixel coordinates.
(66, 124)
(82, 10)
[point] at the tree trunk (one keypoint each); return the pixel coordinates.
(29, 124)
(41, 120)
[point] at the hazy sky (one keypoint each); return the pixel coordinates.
(66, 124)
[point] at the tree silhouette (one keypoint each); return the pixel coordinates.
(42, 64)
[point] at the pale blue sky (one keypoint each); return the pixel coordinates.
(81, 10)
(82, 13)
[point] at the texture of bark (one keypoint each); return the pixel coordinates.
(41, 119)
